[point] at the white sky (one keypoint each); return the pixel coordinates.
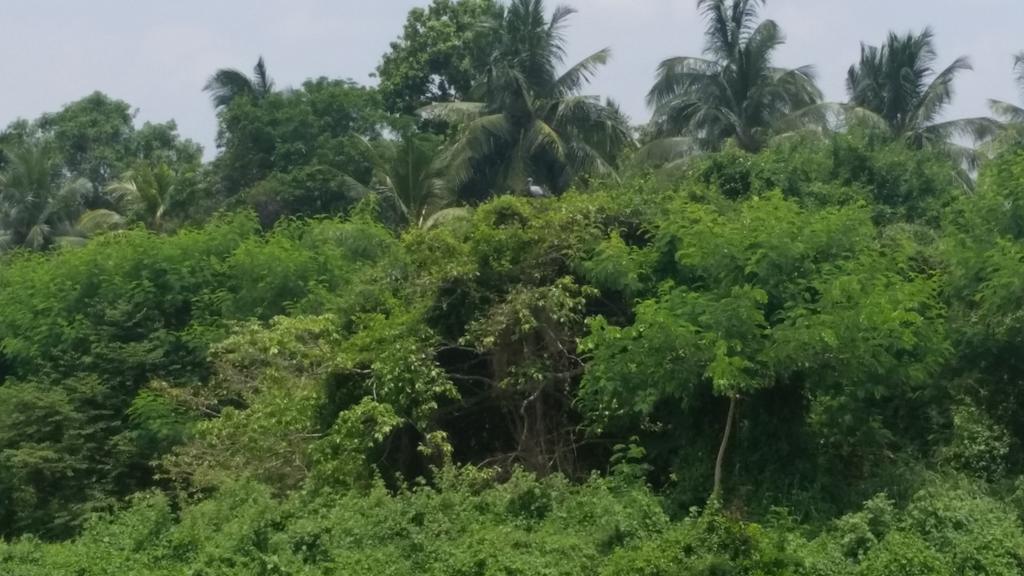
(158, 54)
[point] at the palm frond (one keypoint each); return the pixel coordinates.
(966, 158)
(123, 192)
(541, 136)
(666, 150)
(559, 16)
(354, 190)
(1018, 69)
(978, 129)
(69, 241)
(479, 138)
(226, 85)
(454, 112)
(263, 84)
(822, 117)
(764, 40)
(939, 93)
(865, 118)
(572, 80)
(1010, 113)
(37, 236)
(602, 127)
(97, 221)
(442, 217)
(797, 87)
(729, 24)
(676, 76)
(585, 160)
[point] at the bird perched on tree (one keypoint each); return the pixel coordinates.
(534, 190)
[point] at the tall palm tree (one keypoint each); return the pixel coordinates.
(411, 179)
(734, 92)
(898, 84)
(1011, 113)
(147, 193)
(38, 209)
(228, 84)
(529, 121)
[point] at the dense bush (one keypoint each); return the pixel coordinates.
(470, 343)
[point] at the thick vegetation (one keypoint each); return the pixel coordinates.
(507, 337)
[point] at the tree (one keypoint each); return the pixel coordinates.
(159, 143)
(96, 138)
(735, 92)
(38, 208)
(148, 193)
(1011, 115)
(305, 140)
(410, 175)
(439, 56)
(897, 83)
(528, 120)
(17, 134)
(758, 299)
(92, 138)
(228, 84)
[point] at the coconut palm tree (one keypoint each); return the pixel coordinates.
(529, 120)
(1011, 113)
(38, 209)
(148, 194)
(228, 84)
(410, 177)
(735, 92)
(898, 84)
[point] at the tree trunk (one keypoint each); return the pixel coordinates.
(720, 461)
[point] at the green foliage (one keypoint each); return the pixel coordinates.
(151, 194)
(307, 357)
(228, 85)
(763, 298)
(524, 526)
(982, 249)
(948, 528)
(39, 207)
(897, 85)
(293, 153)
(734, 93)
(898, 183)
(99, 324)
(710, 543)
(95, 138)
(439, 56)
(529, 122)
(469, 525)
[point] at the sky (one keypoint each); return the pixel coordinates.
(157, 55)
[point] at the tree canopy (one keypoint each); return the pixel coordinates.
(470, 322)
(736, 92)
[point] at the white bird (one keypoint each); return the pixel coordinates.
(535, 191)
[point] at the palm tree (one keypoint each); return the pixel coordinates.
(897, 83)
(148, 194)
(734, 92)
(38, 210)
(1011, 113)
(529, 121)
(412, 180)
(228, 84)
